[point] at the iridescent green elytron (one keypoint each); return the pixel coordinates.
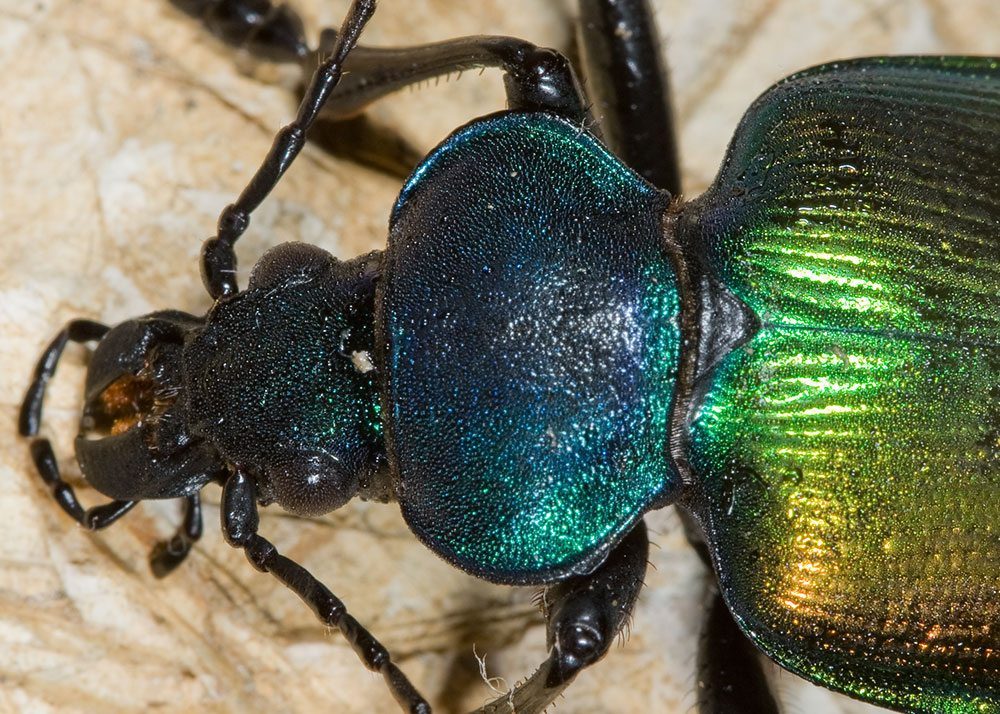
(847, 459)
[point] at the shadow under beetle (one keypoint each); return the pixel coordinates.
(806, 359)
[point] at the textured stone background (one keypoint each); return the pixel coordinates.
(122, 134)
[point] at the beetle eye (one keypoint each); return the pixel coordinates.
(313, 484)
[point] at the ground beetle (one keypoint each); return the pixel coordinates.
(793, 378)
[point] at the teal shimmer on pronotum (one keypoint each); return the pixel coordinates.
(847, 458)
(530, 323)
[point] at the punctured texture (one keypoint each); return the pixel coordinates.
(528, 316)
(274, 379)
(847, 459)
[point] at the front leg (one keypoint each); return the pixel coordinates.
(239, 526)
(168, 554)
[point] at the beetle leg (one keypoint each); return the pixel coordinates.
(731, 679)
(239, 526)
(627, 80)
(536, 79)
(168, 554)
(218, 257)
(267, 31)
(584, 615)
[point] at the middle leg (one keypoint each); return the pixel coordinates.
(584, 615)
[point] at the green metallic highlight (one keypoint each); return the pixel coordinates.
(852, 484)
(847, 459)
(530, 320)
(864, 195)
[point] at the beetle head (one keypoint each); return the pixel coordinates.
(277, 380)
(134, 442)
